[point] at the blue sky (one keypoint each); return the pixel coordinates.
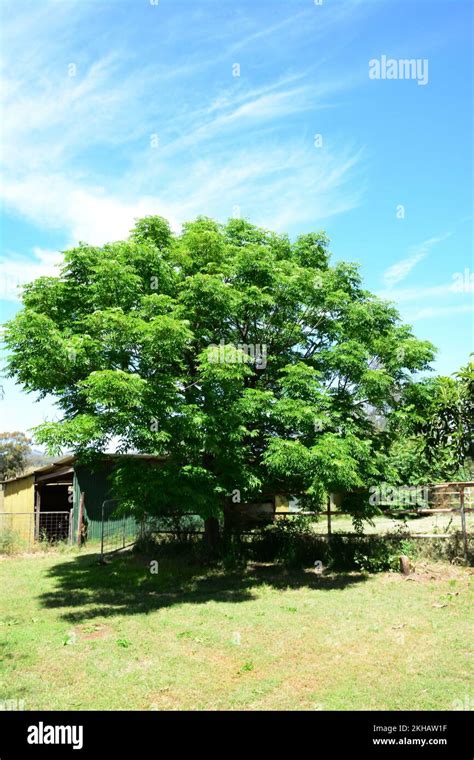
(115, 109)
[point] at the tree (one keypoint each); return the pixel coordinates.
(14, 450)
(433, 427)
(248, 360)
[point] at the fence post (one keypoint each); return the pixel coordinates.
(37, 514)
(329, 516)
(80, 520)
(463, 523)
(102, 534)
(70, 539)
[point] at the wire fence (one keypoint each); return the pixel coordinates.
(441, 511)
(117, 532)
(27, 527)
(122, 531)
(53, 526)
(17, 527)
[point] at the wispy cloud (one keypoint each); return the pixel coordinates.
(294, 23)
(284, 185)
(401, 269)
(292, 20)
(404, 295)
(446, 299)
(431, 312)
(77, 149)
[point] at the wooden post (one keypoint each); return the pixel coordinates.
(37, 525)
(404, 564)
(37, 514)
(329, 516)
(463, 523)
(102, 518)
(70, 538)
(80, 518)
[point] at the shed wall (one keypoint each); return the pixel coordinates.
(94, 483)
(19, 505)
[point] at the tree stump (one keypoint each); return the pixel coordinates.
(404, 565)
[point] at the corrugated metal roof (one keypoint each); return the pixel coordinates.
(69, 459)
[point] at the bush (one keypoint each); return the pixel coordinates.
(371, 554)
(293, 544)
(169, 546)
(377, 560)
(288, 541)
(233, 553)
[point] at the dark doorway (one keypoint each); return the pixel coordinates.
(54, 506)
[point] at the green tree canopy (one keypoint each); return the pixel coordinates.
(253, 363)
(433, 429)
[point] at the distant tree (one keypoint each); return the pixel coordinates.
(14, 450)
(254, 364)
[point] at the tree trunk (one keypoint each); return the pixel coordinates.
(228, 524)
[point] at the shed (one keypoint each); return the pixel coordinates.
(60, 500)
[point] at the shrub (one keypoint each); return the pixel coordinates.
(290, 541)
(233, 553)
(371, 554)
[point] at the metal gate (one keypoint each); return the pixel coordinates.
(53, 526)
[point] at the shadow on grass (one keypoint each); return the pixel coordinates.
(84, 589)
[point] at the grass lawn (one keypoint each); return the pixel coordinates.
(76, 635)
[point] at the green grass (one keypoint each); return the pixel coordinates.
(77, 635)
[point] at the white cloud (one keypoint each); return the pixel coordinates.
(401, 295)
(282, 186)
(267, 32)
(16, 270)
(342, 12)
(462, 283)
(401, 269)
(431, 312)
(213, 155)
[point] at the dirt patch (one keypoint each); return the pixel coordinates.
(91, 632)
(424, 572)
